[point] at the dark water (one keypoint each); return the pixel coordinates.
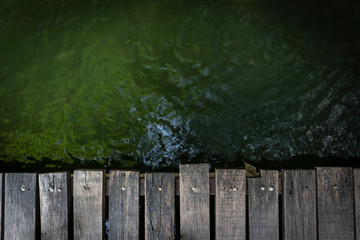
(157, 83)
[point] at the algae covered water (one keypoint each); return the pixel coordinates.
(162, 82)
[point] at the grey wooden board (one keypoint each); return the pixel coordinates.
(1, 215)
(54, 205)
(159, 206)
(299, 205)
(357, 201)
(124, 205)
(230, 204)
(20, 206)
(263, 206)
(89, 204)
(335, 198)
(194, 202)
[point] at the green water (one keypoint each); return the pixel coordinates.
(164, 82)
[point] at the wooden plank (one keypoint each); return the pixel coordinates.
(299, 205)
(124, 205)
(54, 205)
(89, 204)
(177, 185)
(230, 204)
(357, 201)
(159, 206)
(263, 206)
(20, 206)
(194, 202)
(1, 204)
(335, 203)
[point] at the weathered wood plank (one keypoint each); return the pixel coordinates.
(299, 204)
(159, 206)
(1, 204)
(89, 204)
(54, 205)
(230, 204)
(177, 185)
(263, 206)
(194, 202)
(124, 205)
(357, 201)
(335, 203)
(20, 206)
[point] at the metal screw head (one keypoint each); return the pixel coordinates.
(123, 188)
(335, 186)
(59, 189)
(193, 188)
(160, 189)
(235, 189)
(51, 189)
(271, 189)
(23, 188)
(262, 188)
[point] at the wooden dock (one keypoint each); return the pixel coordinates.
(323, 203)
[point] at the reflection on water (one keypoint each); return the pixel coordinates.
(161, 82)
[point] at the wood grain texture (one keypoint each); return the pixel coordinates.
(1, 204)
(20, 206)
(299, 205)
(263, 206)
(230, 204)
(335, 203)
(194, 202)
(159, 206)
(177, 185)
(89, 204)
(54, 205)
(357, 201)
(124, 205)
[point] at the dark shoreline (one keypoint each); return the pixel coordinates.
(298, 162)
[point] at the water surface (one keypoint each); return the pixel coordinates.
(164, 82)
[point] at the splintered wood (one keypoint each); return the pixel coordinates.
(159, 206)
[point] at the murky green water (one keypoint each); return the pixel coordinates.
(160, 82)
